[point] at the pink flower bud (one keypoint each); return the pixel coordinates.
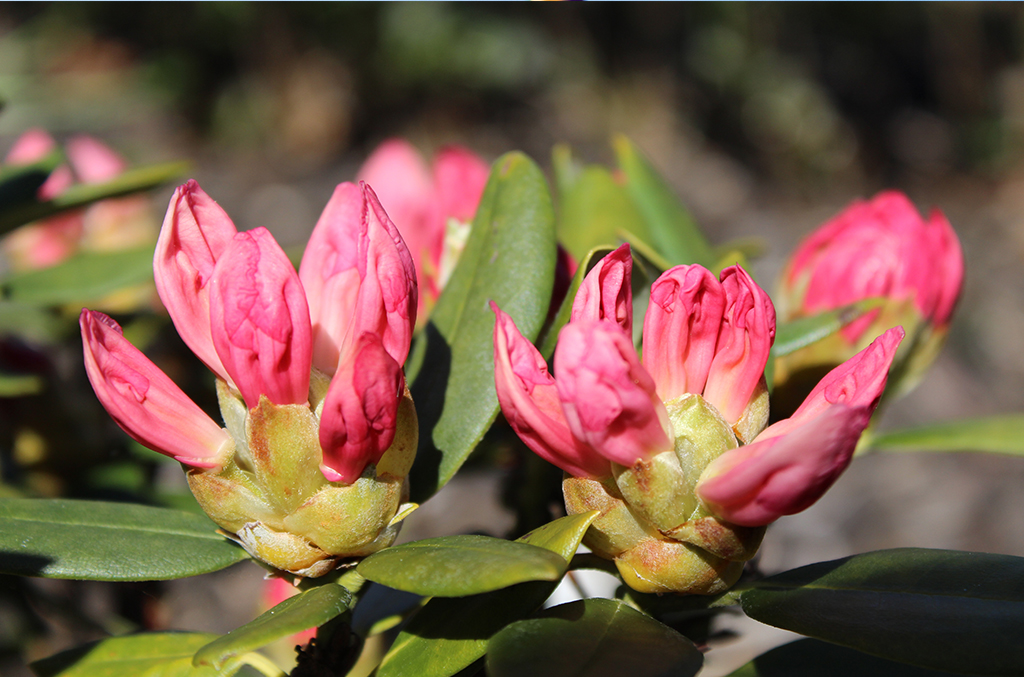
(358, 276)
(32, 146)
(793, 462)
(93, 161)
(880, 248)
(260, 320)
(744, 340)
(360, 411)
(529, 400)
(144, 401)
(459, 180)
(606, 293)
(681, 329)
(608, 398)
(195, 233)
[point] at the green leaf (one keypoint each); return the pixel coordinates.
(39, 325)
(93, 540)
(163, 654)
(510, 259)
(85, 277)
(595, 210)
(19, 184)
(811, 658)
(998, 434)
(18, 385)
(450, 633)
(306, 610)
(591, 638)
(673, 231)
(549, 338)
(131, 181)
(456, 566)
(938, 609)
(797, 334)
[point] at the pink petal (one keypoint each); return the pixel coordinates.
(744, 340)
(92, 161)
(195, 233)
(260, 320)
(608, 398)
(33, 145)
(681, 329)
(459, 180)
(143, 401)
(606, 293)
(360, 411)
(359, 276)
(529, 401)
(756, 484)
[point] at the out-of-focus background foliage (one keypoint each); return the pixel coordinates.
(767, 120)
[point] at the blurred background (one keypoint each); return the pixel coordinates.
(766, 119)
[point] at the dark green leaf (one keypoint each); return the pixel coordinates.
(673, 231)
(1000, 434)
(595, 211)
(811, 658)
(510, 259)
(164, 654)
(546, 342)
(85, 277)
(306, 610)
(131, 181)
(93, 540)
(591, 638)
(797, 334)
(456, 566)
(450, 633)
(19, 184)
(938, 609)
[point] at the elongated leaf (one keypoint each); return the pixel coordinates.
(82, 278)
(32, 322)
(510, 259)
(93, 540)
(163, 654)
(18, 385)
(131, 181)
(673, 231)
(999, 434)
(811, 658)
(797, 334)
(306, 610)
(594, 211)
(450, 633)
(591, 638)
(456, 566)
(547, 341)
(938, 609)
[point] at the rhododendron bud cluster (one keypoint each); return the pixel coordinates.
(879, 248)
(673, 449)
(319, 431)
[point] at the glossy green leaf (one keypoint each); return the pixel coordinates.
(591, 638)
(797, 334)
(998, 434)
(163, 654)
(306, 610)
(510, 259)
(85, 277)
(549, 338)
(595, 211)
(811, 658)
(673, 231)
(80, 195)
(456, 566)
(939, 609)
(450, 633)
(93, 540)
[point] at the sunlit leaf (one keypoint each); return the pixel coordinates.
(510, 259)
(594, 210)
(938, 609)
(998, 434)
(93, 540)
(796, 334)
(591, 638)
(84, 277)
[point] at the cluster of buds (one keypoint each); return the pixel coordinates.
(105, 226)
(878, 249)
(433, 207)
(673, 448)
(320, 432)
